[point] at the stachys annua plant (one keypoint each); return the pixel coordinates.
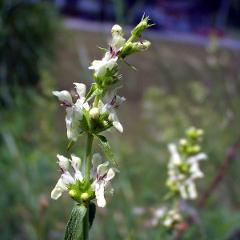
(89, 114)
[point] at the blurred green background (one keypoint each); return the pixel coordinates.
(177, 85)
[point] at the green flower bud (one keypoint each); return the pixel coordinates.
(73, 193)
(196, 149)
(136, 32)
(200, 132)
(132, 47)
(141, 46)
(84, 196)
(184, 168)
(94, 113)
(191, 132)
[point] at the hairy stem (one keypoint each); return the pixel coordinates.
(88, 156)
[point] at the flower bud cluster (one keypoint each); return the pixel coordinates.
(105, 71)
(183, 167)
(144, 24)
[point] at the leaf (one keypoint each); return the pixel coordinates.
(70, 145)
(75, 224)
(103, 142)
(92, 212)
(130, 65)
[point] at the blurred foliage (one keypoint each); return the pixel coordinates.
(27, 33)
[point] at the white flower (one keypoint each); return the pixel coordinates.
(81, 89)
(183, 181)
(76, 164)
(102, 182)
(73, 110)
(100, 66)
(175, 156)
(172, 217)
(158, 214)
(118, 40)
(194, 165)
(110, 107)
(64, 97)
(66, 178)
(63, 162)
(117, 30)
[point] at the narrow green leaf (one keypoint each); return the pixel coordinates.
(129, 65)
(75, 224)
(103, 142)
(92, 212)
(70, 145)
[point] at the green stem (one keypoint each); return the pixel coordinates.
(88, 157)
(131, 38)
(88, 164)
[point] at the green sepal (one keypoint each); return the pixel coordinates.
(74, 227)
(103, 142)
(80, 187)
(86, 121)
(91, 91)
(92, 212)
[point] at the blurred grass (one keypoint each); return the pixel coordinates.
(177, 85)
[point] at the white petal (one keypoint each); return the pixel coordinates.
(72, 124)
(58, 189)
(63, 96)
(195, 171)
(117, 42)
(76, 162)
(183, 192)
(99, 192)
(63, 162)
(175, 156)
(102, 169)
(67, 178)
(192, 190)
(110, 175)
(118, 126)
(100, 66)
(78, 175)
(81, 89)
(196, 158)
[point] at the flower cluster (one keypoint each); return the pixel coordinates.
(82, 116)
(183, 170)
(78, 188)
(183, 167)
(92, 112)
